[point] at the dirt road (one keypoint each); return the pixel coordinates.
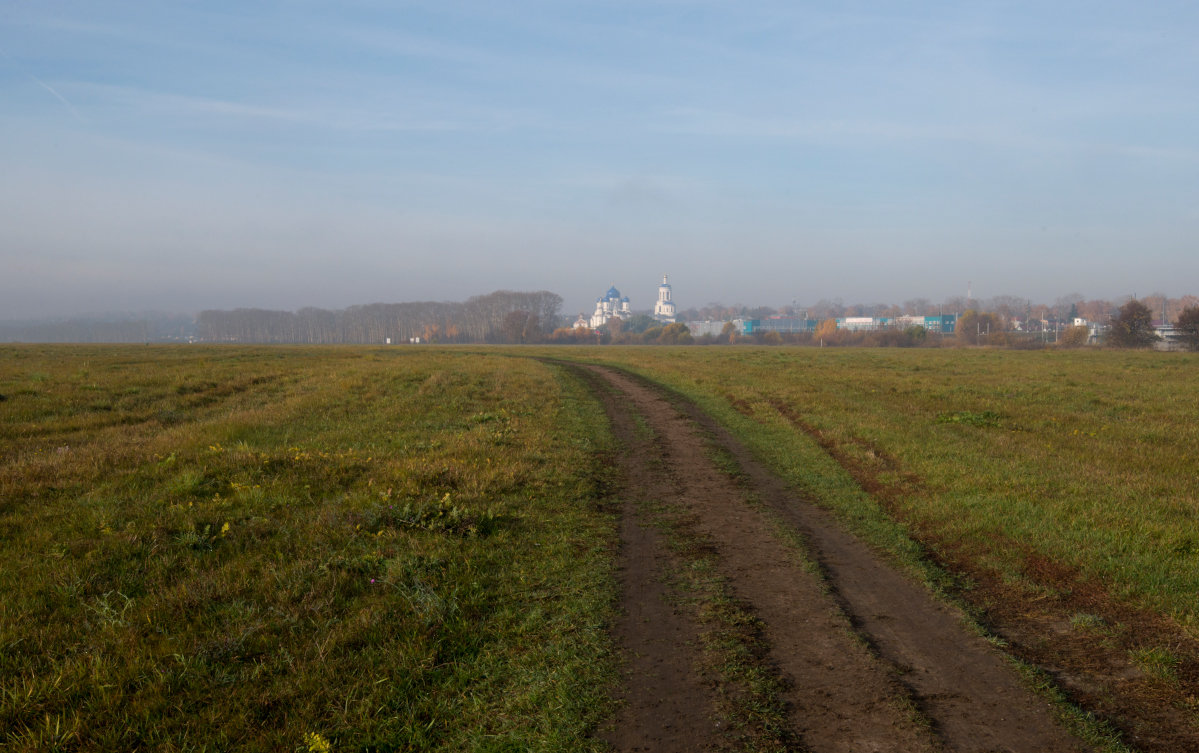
(864, 659)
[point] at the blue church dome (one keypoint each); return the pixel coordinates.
(612, 293)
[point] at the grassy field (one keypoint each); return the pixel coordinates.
(220, 548)
(1048, 469)
(299, 549)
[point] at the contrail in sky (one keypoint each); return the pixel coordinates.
(66, 103)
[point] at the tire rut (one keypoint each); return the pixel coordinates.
(869, 660)
(668, 703)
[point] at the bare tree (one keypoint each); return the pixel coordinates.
(918, 307)
(1159, 306)
(956, 304)
(1008, 306)
(1096, 310)
(479, 319)
(827, 309)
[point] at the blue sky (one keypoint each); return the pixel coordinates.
(189, 155)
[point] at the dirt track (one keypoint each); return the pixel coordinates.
(868, 661)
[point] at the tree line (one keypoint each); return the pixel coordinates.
(115, 328)
(530, 317)
(504, 316)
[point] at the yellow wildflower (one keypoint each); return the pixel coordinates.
(317, 743)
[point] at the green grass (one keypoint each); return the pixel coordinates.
(1157, 662)
(188, 535)
(279, 549)
(1085, 459)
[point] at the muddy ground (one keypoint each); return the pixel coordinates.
(865, 659)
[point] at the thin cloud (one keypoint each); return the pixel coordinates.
(336, 116)
(66, 103)
(867, 133)
(57, 95)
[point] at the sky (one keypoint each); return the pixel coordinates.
(181, 156)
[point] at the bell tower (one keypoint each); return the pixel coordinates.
(664, 310)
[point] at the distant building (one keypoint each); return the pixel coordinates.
(664, 309)
(713, 328)
(610, 305)
(582, 322)
(780, 324)
(942, 325)
(1168, 337)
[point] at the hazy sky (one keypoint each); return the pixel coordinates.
(189, 155)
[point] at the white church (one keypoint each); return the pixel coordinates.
(612, 304)
(608, 306)
(664, 308)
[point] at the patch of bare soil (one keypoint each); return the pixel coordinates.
(868, 660)
(669, 701)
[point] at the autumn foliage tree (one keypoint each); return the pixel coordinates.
(1075, 336)
(1187, 327)
(1132, 327)
(826, 329)
(979, 328)
(728, 333)
(571, 336)
(674, 334)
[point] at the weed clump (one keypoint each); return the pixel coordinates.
(439, 516)
(1157, 662)
(170, 417)
(982, 419)
(1084, 621)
